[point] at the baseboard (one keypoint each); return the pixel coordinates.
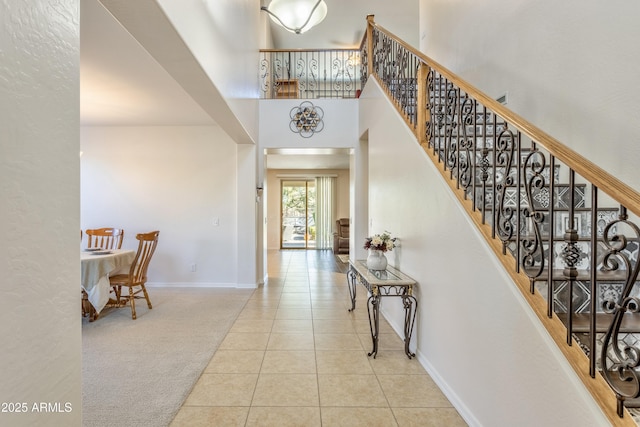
(201, 285)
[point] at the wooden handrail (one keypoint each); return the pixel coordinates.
(616, 189)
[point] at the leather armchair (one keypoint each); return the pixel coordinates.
(341, 237)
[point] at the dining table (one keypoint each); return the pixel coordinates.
(96, 267)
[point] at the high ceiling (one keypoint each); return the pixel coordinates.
(346, 21)
(122, 85)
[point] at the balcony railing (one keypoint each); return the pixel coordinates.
(566, 230)
(310, 73)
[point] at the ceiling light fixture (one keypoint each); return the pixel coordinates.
(296, 16)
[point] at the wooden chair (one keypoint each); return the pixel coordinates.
(105, 238)
(137, 276)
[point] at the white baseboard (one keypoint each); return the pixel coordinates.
(201, 285)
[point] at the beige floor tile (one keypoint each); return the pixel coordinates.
(223, 390)
(300, 287)
(412, 391)
(235, 362)
(259, 300)
(338, 342)
(362, 326)
(360, 312)
(263, 302)
(358, 417)
(332, 303)
(385, 342)
(285, 303)
(197, 416)
(297, 276)
(284, 417)
(332, 326)
(244, 341)
(289, 362)
(343, 362)
(391, 362)
(350, 390)
(251, 325)
(258, 313)
(283, 326)
(331, 313)
(297, 272)
(291, 341)
(428, 417)
(293, 313)
(286, 390)
(328, 292)
(295, 356)
(299, 295)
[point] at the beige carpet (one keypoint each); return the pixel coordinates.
(139, 372)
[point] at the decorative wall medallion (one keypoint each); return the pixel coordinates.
(306, 119)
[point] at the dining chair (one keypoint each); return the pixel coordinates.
(137, 276)
(105, 238)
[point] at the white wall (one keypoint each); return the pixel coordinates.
(338, 132)
(39, 229)
(225, 35)
(272, 192)
(474, 333)
(570, 67)
(168, 178)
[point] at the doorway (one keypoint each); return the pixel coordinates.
(298, 214)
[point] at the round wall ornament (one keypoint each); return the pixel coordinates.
(306, 119)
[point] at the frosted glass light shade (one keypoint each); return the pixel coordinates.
(297, 16)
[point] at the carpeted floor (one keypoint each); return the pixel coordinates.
(139, 372)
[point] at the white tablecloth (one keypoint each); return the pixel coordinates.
(95, 272)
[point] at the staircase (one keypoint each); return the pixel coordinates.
(569, 228)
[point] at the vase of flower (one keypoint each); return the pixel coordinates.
(377, 245)
(376, 260)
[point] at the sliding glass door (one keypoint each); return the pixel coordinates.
(298, 208)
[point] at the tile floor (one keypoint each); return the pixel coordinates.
(296, 357)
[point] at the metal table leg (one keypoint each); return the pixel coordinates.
(410, 309)
(351, 284)
(373, 308)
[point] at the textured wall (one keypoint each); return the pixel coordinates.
(40, 358)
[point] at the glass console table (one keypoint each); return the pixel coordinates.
(383, 283)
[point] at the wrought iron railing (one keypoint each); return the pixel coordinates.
(310, 73)
(569, 227)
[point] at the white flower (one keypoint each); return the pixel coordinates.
(382, 242)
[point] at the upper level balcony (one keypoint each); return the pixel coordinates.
(309, 74)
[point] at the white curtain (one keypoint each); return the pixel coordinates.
(325, 193)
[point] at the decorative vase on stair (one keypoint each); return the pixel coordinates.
(376, 260)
